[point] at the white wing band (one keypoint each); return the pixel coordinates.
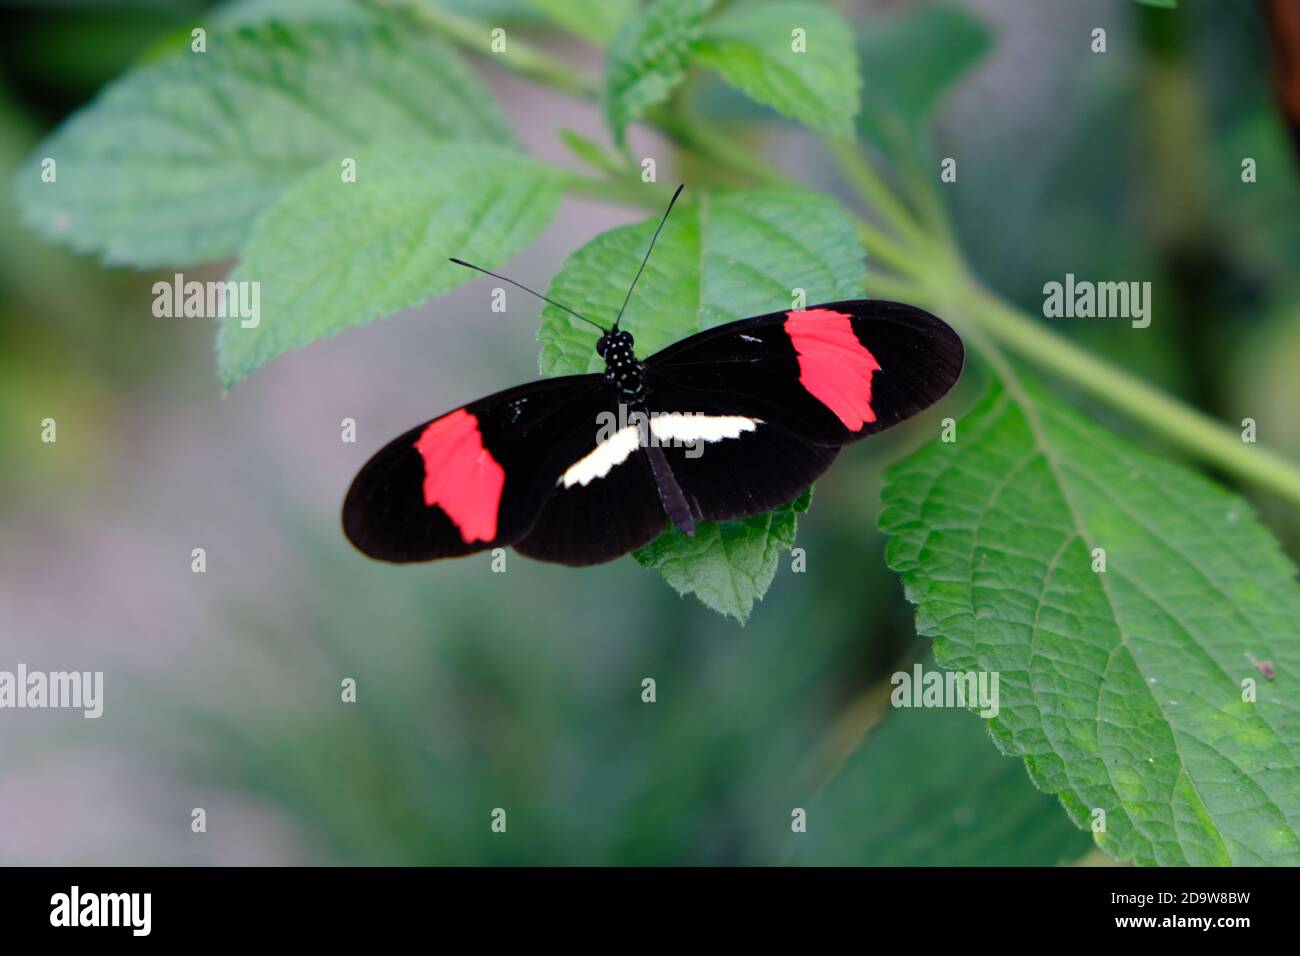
(673, 427)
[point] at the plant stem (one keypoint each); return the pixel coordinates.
(886, 286)
(886, 249)
(1184, 427)
(518, 56)
(863, 176)
(708, 143)
(940, 279)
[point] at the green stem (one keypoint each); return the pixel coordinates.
(518, 56)
(1184, 427)
(886, 249)
(551, 71)
(940, 280)
(875, 193)
(929, 204)
(885, 286)
(711, 145)
(914, 165)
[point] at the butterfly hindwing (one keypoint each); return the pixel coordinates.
(599, 520)
(731, 478)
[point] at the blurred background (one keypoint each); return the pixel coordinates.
(523, 691)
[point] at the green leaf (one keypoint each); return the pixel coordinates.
(1123, 690)
(1163, 4)
(648, 59)
(330, 254)
(752, 47)
(594, 20)
(727, 565)
(720, 258)
(172, 163)
(926, 789)
(909, 61)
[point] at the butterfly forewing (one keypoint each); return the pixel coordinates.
(476, 477)
(831, 373)
(797, 386)
(735, 477)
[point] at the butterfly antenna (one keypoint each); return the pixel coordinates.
(520, 285)
(628, 298)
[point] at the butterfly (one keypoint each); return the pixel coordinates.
(732, 421)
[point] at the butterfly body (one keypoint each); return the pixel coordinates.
(730, 422)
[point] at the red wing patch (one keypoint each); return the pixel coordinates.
(834, 366)
(460, 476)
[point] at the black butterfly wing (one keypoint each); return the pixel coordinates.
(829, 374)
(474, 478)
(605, 518)
(755, 411)
(740, 469)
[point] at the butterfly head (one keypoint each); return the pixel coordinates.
(614, 344)
(621, 365)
